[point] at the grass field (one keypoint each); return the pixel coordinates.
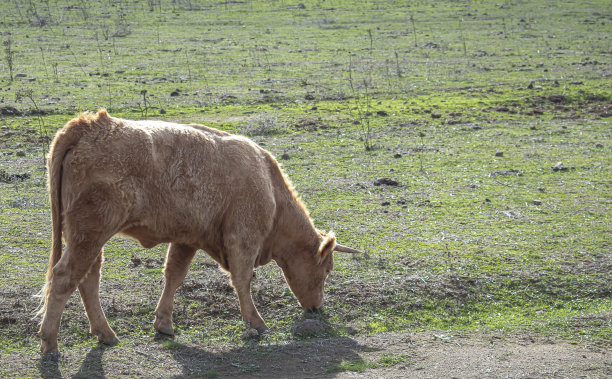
(468, 106)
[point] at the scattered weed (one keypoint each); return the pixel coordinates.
(262, 124)
(355, 366)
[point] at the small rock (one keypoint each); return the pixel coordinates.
(386, 182)
(385, 203)
(309, 328)
(21, 75)
(20, 153)
(136, 261)
(499, 154)
(382, 113)
(398, 155)
(576, 82)
(436, 115)
(536, 202)
(557, 98)
(530, 86)
(301, 6)
(162, 111)
(174, 93)
(309, 96)
(285, 156)
(559, 167)
(599, 145)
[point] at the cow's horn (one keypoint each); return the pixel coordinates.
(346, 249)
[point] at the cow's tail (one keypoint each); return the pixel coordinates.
(65, 139)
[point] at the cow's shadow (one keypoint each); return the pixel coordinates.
(315, 357)
(92, 366)
(304, 357)
(48, 366)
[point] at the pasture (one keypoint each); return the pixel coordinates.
(465, 146)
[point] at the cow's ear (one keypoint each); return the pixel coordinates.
(326, 247)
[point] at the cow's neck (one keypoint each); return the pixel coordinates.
(293, 232)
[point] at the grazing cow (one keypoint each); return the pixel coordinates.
(192, 186)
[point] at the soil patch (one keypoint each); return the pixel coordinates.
(391, 355)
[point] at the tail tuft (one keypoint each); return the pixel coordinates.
(65, 139)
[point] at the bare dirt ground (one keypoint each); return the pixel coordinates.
(434, 355)
(422, 355)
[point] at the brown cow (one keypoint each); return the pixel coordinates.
(192, 186)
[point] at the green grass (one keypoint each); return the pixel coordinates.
(456, 246)
(361, 365)
(356, 366)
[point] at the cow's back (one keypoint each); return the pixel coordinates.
(171, 182)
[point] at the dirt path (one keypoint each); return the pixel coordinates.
(397, 355)
(432, 355)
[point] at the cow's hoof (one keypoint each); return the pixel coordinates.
(48, 346)
(48, 349)
(251, 334)
(261, 329)
(163, 324)
(165, 329)
(111, 340)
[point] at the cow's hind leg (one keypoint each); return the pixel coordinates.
(178, 260)
(89, 289)
(72, 267)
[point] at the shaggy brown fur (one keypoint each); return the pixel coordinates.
(191, 186)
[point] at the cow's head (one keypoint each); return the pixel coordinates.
(307, 271)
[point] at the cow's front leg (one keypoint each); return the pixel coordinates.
(178, 259)
(241, 273)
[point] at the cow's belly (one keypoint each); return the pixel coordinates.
(146, 237)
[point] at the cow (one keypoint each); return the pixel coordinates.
(191, 186)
